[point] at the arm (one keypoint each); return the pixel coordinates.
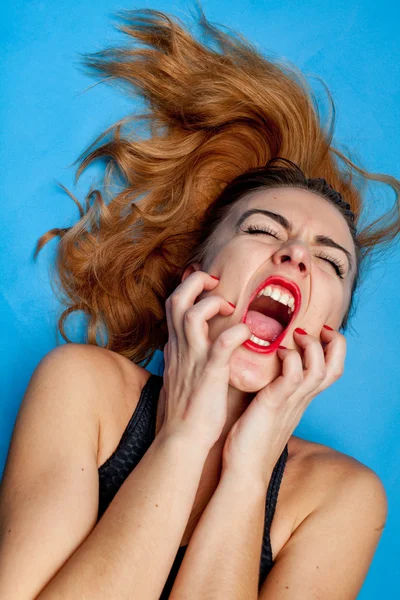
(327, 556)
(224, 553)
(330, 552)
(50, 544)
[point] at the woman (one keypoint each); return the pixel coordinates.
(122, 484)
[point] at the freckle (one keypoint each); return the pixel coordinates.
(83, 469)
(157, 505)
(287, 587)
(9, 530)
(317, 567)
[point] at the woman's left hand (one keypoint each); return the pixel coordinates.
(259, 436)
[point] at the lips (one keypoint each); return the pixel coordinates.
(295, 291)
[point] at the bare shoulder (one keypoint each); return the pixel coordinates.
(121, 395)
(118, 382)
(49, 494)
(102, 357)
(325, 490)
(321, 473)
(315, 477)
(113, 370)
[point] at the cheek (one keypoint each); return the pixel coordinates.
(238, 261)
(318, 311)
(327, 306)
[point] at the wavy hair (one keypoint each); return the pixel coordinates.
(274, 175)
(215, 108)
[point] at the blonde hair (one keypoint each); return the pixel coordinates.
(215, 109)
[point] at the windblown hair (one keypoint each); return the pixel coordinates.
(215, 109)
(274, 175)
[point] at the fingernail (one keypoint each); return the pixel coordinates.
(282, 348)
(327, 327)
(298, 330)
(217, 278)
(233, 306)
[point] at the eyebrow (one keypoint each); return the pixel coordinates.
(319, 240)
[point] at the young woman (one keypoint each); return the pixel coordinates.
(234, 247)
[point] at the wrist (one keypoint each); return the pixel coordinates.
(185, 439)
(243, 484)
(247, 479)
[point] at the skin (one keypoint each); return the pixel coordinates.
(242, 261)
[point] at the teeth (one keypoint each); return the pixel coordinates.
(275, 295)
(257, 340)
(285, 299)
(279, 296)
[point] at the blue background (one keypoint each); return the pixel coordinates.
(48, 118)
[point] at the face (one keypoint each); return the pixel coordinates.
(243, 260)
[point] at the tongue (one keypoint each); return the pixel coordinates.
(263, 327)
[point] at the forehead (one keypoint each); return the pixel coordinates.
(302, 208)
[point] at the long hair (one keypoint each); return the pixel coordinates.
(277, 173)
(215, 108)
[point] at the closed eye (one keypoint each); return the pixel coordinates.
(268, 230)
(336, 264)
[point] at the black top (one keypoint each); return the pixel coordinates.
(136, 439)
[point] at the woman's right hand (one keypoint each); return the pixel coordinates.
(196, 374)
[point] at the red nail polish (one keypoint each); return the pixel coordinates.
(217, 278)
(298, 330)
(327, 327)
(233, 306)
(282, 348)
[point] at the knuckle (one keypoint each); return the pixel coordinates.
(224, 341)
(198, 277)
(337, 373)
(296, 378)
(175, 299)
(320, 375)
(189, 315)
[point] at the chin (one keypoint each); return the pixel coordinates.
(250, 375)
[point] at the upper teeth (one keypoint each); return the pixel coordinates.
(285, 297)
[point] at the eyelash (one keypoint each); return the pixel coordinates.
(337, 265)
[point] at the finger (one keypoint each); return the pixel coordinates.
(195, 320)
(335, 354)
(170, 325)
(223, 347)
(287, 383)
(315, 370)
(166, 352)
(182, 298)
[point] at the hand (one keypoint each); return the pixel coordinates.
(259, 436)
(196, 373)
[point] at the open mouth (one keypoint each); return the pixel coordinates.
(272, 309)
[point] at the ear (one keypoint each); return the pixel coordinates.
(190, 269)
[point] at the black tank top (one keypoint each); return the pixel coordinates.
(136, 440)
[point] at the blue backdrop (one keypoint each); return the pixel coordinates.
(47, 120)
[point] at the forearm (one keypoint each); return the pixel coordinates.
(224, 553)
(132, 548)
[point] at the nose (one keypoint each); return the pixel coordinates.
(296, 255)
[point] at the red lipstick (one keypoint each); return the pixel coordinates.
(294, 289)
